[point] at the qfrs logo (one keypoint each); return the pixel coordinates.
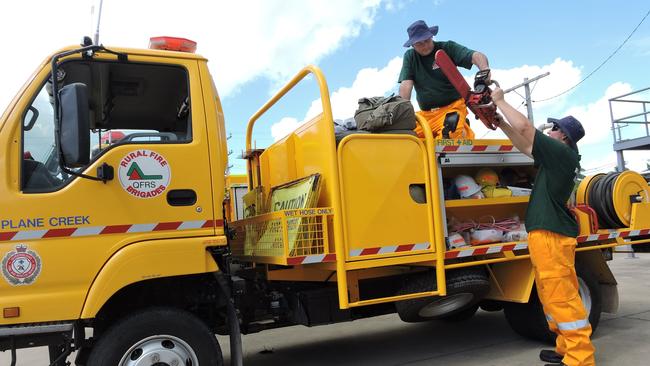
(144, 173)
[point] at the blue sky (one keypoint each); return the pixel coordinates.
(255, 47)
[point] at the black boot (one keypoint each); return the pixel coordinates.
(551, 356)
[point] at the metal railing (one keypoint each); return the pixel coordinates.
(634, 119)
(631, 132)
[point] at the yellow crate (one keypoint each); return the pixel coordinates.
(277, 236)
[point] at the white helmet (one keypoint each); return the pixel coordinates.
(467, 187)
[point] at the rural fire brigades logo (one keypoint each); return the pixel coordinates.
(144, 173)
(21, 266)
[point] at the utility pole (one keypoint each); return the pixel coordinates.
(526, 85)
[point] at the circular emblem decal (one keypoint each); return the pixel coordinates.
(144, 173)
(21, 267)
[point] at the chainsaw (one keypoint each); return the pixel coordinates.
(479, 100)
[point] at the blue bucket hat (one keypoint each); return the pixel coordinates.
(419, 31)
(571, 128)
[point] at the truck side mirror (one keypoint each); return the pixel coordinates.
(75, 124)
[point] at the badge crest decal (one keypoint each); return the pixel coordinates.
(21, 266)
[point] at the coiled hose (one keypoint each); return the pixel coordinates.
(601, 199)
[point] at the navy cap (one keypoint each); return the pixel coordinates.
(419, 31)
(571, 128)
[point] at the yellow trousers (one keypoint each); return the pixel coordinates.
(436, 119)
(553, 257)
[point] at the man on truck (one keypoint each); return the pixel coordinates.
(552, 229)
(440, 104)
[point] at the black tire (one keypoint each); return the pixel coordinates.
(465, 288)
(491, 305)
(641, 248)
(529, 321)
(460, 316)
(165, 332)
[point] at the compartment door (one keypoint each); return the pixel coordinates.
(382, 176)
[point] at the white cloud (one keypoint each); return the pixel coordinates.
(284, 127)
(248, 39)
(243, 40)
(369, 82)
(563, 75)
(596, 118)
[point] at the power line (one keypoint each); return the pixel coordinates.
(602, 64)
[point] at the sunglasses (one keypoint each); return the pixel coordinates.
(555, 128)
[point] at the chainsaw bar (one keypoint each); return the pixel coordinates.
(480, 103)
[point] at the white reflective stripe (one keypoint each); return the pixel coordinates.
(634, 232)
(492, 250)
(389, 249)
(578, 324)
(355, 252)
(27, 235)
(141, 228)
(313, 259)
(421, 246)
(85, 231)
(465, 253)
(191, 225)
(520, 246)
(549, 318)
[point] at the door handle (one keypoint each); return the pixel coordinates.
(181, 197)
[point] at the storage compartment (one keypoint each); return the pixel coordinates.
(486, 196)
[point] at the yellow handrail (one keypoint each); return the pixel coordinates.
(336, 191)
(436, 229)
(324, 92)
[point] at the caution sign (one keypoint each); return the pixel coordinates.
(294, 195)
(299, 194)
(144, 174)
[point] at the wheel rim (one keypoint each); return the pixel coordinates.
(585, 295)
(445, 305)
(160, 350)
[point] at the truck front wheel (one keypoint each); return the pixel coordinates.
(160, 336)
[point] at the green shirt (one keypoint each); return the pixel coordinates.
(557, 166)
(432, 88)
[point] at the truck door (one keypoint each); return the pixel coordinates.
(148, 123)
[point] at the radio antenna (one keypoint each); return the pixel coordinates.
(99, 18)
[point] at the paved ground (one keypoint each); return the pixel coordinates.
(484, 340)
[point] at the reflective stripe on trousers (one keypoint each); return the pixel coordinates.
(553, 257)
(569, 325)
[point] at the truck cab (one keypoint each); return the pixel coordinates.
(137, 198)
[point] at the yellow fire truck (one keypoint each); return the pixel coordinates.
(123, 253)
